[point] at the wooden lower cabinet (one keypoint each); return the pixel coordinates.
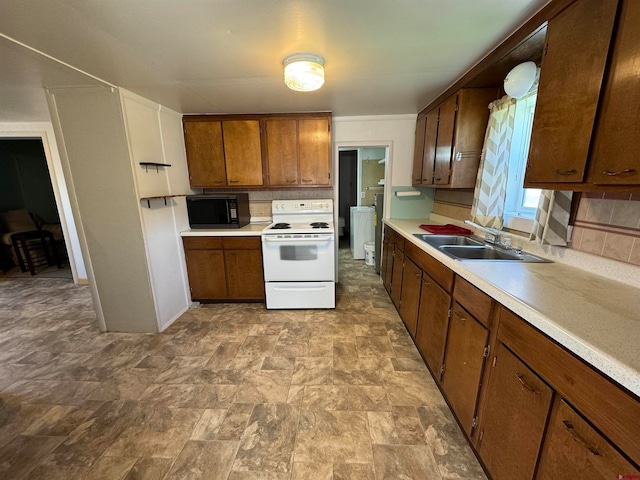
(396, 275)
(410, 296)
(224, 268)
(518, 403)
(386, 266)
(574, 449)
(433, 323)
(465, 354)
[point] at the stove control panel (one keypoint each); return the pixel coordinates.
(302, 206)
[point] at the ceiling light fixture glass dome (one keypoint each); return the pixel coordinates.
(521, 79)
(303, 71)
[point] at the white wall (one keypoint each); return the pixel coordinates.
(44, 131)
(397, 131)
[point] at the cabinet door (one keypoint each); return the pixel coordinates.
(571, 76)
(387, 263)
(444, 144)
(463, 364)
(205, 154)
(242, 153)
(418, 151)
(282, 152)
(206, 272)
(314, 147)
(410, 297)
(616, 158)
(396, 276)
(573, 449)
(245, 279)
(513, 418)
(433, 322)
(430, 140)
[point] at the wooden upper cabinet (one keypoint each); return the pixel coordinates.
(282, 152)
(449, 140)
(205, 154)
(444, 143)
(513, 418)
(298, 151)
(616, 154)
(418, 150)
(314, 150)
(242, 152)
(571, 76)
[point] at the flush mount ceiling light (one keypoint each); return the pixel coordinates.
(521, 79)
(303, 71)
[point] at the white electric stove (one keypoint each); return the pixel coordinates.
(298, 252)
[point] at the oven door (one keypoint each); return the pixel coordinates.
(300, 259)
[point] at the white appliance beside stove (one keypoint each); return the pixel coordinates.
(298, 254)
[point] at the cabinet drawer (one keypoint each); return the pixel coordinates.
(436, 270)
(398, 239)
(475, 301)
(613, 411)
(574, 449)
(241, 243)
(202, 243)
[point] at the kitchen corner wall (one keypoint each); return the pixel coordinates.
(609, 225)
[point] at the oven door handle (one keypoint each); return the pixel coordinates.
(319, 238)
(301, 289)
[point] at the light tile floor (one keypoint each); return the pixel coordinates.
(229, 391)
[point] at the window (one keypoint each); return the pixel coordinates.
(521, 203)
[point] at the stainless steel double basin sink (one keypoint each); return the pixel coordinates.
(461, 247)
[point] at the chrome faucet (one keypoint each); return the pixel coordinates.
(497, 234)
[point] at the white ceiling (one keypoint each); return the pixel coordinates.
(225, 56)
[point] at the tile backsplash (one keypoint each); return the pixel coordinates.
(609, 225)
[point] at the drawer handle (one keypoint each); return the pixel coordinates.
(426, 283)
(234, 181)
(291, 181)
(416, 180)
(569, 426)
(306, 180)
(621, 172)
(218, 181)
(533, 390)
(566, 172)
(417, 275)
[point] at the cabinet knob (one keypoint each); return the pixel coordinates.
(566, 172)
(620, 172)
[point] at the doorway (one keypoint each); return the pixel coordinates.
(27, 203)
(347, 192)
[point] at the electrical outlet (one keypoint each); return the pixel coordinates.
(362, 194)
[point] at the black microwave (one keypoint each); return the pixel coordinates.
(218, 210)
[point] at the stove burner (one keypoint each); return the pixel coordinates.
(280, 226)
(319, 225)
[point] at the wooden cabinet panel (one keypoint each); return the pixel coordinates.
(616, 156)
(571, 77)
(386, 269)
(474, 300)
(574, 449)
(241, 243)
(203, 142)
(436, 270)
(444, 145)
(429, 154)
(410, 298)
(463, 364)
(242, 152)
(282, 152)
(396, 276)
(315, 151)
(613, 411)
(245, 279)
(433, 323)
(418, 151)
(514, 417)
(206, 272)
(202, 243)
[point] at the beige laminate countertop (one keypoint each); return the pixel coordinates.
(596, 318)
(250, 230)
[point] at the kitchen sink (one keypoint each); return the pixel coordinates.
(440, 240)
(462, 247)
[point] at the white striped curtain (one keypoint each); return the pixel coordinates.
(551, 225)
(491, 184)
